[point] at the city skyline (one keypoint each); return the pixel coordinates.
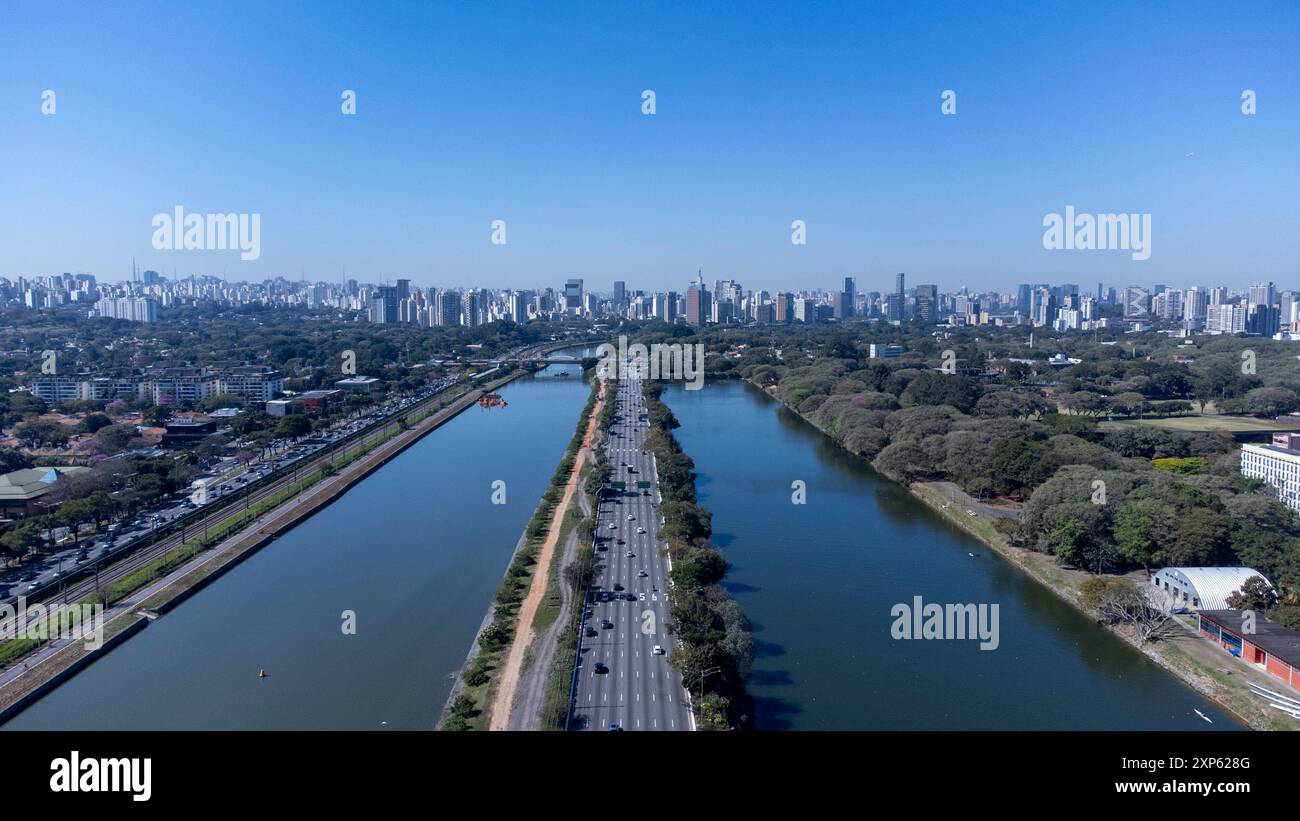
(449, 137)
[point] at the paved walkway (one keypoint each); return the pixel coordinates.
(508, 684)
(536, 680)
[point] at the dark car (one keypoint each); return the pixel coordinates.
(600, 668)
(591, 631)
(618, 587)
(606, 624)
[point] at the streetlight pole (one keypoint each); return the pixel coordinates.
(705, 674)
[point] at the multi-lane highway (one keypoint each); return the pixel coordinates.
(115, 561)
(624, 681)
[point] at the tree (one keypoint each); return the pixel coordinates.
(1147, 611)
(114, 438)
(1067, 542)
(698, 567)
(12, 459)
(22, 538)
(1255, 594)
(1270, 402)
(293, 426)
(1017, 465)
(1138, 529)
(93, 422)
(39, 433)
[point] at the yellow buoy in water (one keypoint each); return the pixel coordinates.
(261, 673)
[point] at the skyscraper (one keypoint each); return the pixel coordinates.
(927, 303)
(620, 296)
(698, 307)
(573, 297)
(845, 299)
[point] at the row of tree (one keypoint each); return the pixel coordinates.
(715, 654)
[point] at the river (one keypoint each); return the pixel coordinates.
(819, 580)
(416, 551)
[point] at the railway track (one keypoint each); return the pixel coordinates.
(236, 507)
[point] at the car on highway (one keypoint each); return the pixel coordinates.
(642, 573)
(658, 651)
(613, 526)
(606, 624)
(600, 668)
(631, 555)
(640, 530)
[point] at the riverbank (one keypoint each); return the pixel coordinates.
(487, 684)
(524, 629)
(57, 662)
(1194, 662)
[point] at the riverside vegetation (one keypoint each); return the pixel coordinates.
(1097, 494)
(478, 683)
(715, 635)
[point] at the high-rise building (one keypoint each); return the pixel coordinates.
(384, 305)
(573, 297)
(446, 308)
(927, 303)
(471, 308)
(135, 309)
(1262, 319)
(784, 307)
(894, 304)
(698, 307)
(1137, 301)
(845, 300)
(1262, 293)
(620, 296)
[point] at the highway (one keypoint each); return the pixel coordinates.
(622, 683)
(288, 469)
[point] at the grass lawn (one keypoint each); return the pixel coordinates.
(1232, 424)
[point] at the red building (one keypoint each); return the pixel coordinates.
(1263, 644)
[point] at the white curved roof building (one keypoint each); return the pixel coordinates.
(1203, 588)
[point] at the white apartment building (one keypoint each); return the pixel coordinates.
(255, 384)
(1276, 464)
(135, 309)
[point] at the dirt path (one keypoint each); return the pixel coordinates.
(509, 682)
(534, 682)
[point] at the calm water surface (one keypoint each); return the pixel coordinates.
(819, 581)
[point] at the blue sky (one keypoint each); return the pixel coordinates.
(766, 113)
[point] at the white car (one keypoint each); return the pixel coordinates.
(613, 526)
(659, 651)
(640, 530)
(630, 517)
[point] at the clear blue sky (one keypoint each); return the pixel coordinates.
(531, 113)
